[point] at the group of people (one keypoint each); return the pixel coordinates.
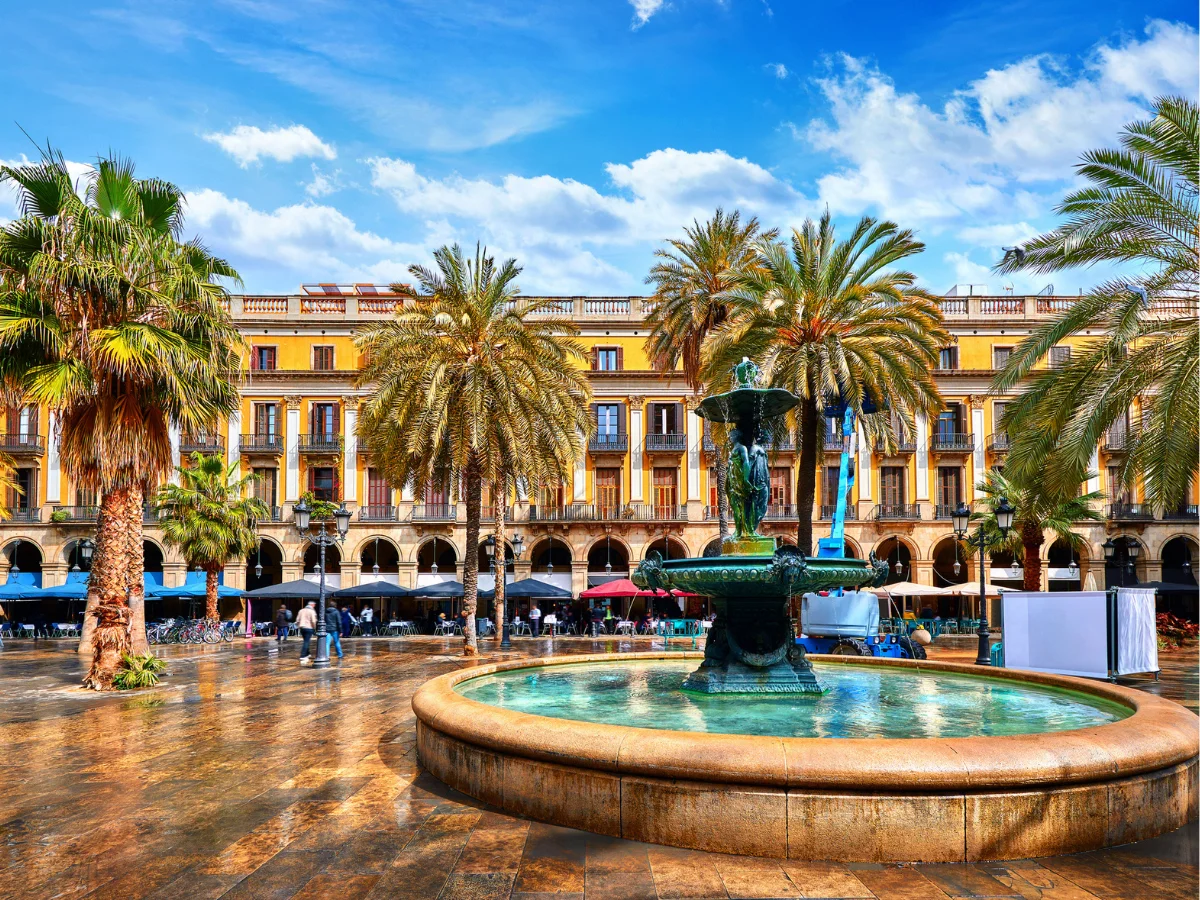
(338, 624)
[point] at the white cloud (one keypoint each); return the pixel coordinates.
(779, 70)
(249, 143)
(644, 9)
(323, 185)
(1000, 235)
(9, 208)
(998, 150)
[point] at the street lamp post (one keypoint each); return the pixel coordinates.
(322, 539)
(962, 520)
(518, 544)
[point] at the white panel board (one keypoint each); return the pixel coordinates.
(1063, 633)
(1137, 636)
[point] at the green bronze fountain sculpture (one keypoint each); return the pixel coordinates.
(751, 647)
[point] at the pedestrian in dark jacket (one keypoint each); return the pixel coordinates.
(281, 625)
(347, 624)
(333, 629)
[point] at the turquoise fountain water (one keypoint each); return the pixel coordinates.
(860, 702)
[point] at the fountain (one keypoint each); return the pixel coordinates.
(744, 749)
(751, 647)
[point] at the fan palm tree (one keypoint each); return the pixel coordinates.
(471, 384)
(689, 302)
(1039, 509)
(827, 318)
(210, 517)
(120, 328)
(1135, 338)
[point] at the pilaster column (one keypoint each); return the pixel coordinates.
(579, 481)
(977, 427)
(53, 466)
(173, 435)
(234, 437)
(578, 577)
(291, 444)
(863, 479)
(922, 485)
(636, 436)
(350, 454)
(694, 427)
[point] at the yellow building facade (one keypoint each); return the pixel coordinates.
(644, 482)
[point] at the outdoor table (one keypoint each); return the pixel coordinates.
(28, 630)
(393, 628)
(624, 627)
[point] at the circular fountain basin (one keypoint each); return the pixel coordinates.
(898, 761)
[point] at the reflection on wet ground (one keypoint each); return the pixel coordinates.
(244, 775)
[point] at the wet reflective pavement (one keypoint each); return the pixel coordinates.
(245, 775)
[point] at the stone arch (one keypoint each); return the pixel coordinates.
(678, 550)
(153, 557)
(895, 549)
(27, 554)
(447, 555)
(712, 548)
(945, 553)
(1117, 571)
(551, 551)
(270, 556)
(1188, 537)
(606, 550)
(377, 550)
(852, 550)
(312, 558)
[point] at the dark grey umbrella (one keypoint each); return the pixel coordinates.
(289, 590)
(442, 590)
(531, 587)
(371, 590)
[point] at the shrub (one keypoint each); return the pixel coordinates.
(60, 515)
(138, 671)
(1174, 631)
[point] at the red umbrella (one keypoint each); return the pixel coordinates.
(622, 587)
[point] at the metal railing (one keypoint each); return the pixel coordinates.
(150, 514)
(1116, 441)
(23, 444)
(998, 442)
(377, 514)
(321, 443)
(275, 513)
(74, 514)
(361, 445)
(946, 510)
(488, 514)
(656, 512)
(776, 512)
(666, 443)
(898, 511)
(827, 511)
(609, 443)
(1126, 512)
(261, 443)
(27, 514)
(435, 512)
(952, 442)
(201, 443)
(909, 446)
(1182, 513)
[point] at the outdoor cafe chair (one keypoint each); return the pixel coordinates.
(27, 630)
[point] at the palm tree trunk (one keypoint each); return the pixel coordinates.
(110, 638)
(210, 593)
(806, 477)
(1032, 540)
(471, 560)
(104, 538)
(136, 578)
(501, 566)
(721, 464)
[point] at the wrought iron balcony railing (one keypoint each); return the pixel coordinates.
(262, 443)
(946, 510)
(150, 514)
(1130, 512)
(23, 444)
(27, 514)
(952, 442)
(65, 514)
(827, 511)
(902, 447)
(998, 442)
(656, 512)
(201, 443)
(488, 514)
(780, 512)
(609, 443)
(666, 443)
(1182, 513)
(435, 512)
(377, 514)
(1116, 441)
(898, 511)
(321, 443)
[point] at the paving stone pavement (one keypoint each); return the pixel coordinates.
(245, 775)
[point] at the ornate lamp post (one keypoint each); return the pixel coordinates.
(518, 544)
(962, 521)
(322, 539)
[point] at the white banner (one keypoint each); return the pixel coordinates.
(1137, 635)
(1063, 633)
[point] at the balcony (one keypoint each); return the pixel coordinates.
(209, 444)
(319, 444)
(1182, 514)
(780, 512)
(150, 514)
(488, 514)
(898, 512)
(1130, 512)
(274, 513)
(655, 512)
(23, 444)
(945, 511)
(952, 442)
(435, 512)
(261, 444)
(608, 443)
(1116, 442)
(377, 514)
(997, 442)
(666, 443)
(65, 515)
(832, 443)
(362, 447)
(26, 514)
(903, 448)
(827, 511)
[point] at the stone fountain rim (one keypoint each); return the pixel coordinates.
(1159, 734)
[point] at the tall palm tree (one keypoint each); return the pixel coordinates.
(1039, 509)
(210, 517)
(471, 384)
(1135, 338)
(118, 326)
(689, 302)
(828, 318)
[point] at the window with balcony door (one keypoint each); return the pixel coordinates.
(551, 496)
(713, 490)
(949, 490)
(266, 419)
(1000, 357)
(829, 489)
(322, 358)
(22, 425)
(781, 487)
(23, 496)
(610, 424)
(891, 486)
(323, 482)
(1059, 356)
(607, 359)
(1118, 492)
(86, 497)
(437, 496)
(266, 485)
(379, 491)
(608, 491)
(664, 418)
(262, 359)
(324, 420)
(950, 422)
(948, 358)
(665, 483)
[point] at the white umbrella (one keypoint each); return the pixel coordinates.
(909, 589)
(1089, 583)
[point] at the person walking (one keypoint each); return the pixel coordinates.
(535, 619)
(333, 629)
(347, 621)
(282, 616)
(306, 621)
(368, 620)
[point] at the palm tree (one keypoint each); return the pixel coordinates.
(1135, 338)
(689, 302)
(1038, 510)
(470, 385)
(121, 329)
(826, 319)
(210, 517)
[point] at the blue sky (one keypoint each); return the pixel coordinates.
(328, 141)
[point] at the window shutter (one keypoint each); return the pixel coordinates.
(312, 411)
(33, 420)
(595, 358)
(13, 417)
(620, 357)
(254, 359)
(312, 479)
(679, 424)
(337, 483)
(596, 414)
(337, 418)
(621, 414)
